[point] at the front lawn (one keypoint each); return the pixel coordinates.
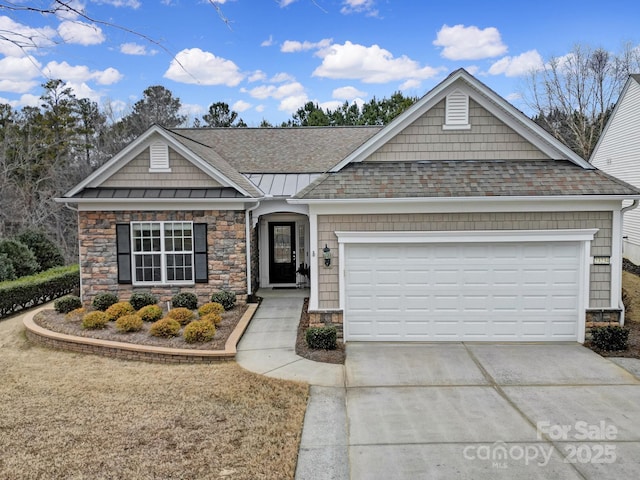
(68, 415)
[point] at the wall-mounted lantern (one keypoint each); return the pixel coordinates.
(326, 253)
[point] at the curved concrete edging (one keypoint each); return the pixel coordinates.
(131, 351)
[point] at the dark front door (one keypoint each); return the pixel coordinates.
(282, 252)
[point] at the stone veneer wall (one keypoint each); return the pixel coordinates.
(226, 245)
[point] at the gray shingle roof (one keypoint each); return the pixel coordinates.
(464, 179)
(280, 150)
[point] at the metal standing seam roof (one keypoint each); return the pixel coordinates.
(459, 178)
(282, 184)
(159, 193)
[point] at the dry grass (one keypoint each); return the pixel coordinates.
(631, 283)
(74, 416)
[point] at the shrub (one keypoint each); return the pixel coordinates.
(104, 300)
(75, 315)
(95, 320)
(47, 253)
(181, 315)
(324, 338)
(185, 300)
(211, 307)
(610, 338)
(20, 257)
(142, 299)
(7, 272)
(150, 313)
(165, 327)
(214, 318)
(67, 304)
(199, 331)
(226, 299)
(119, 309)
(129, 323)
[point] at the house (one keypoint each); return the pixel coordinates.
(618, 153)
(460, 220)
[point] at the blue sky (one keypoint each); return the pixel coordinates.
(275, 55)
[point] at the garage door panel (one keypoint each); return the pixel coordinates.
(462, 292)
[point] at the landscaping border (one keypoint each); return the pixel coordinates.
(130, 351)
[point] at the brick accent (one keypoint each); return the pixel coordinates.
(604, 317)
(226, 243)
(325, 319)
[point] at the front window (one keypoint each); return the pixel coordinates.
(162, 252)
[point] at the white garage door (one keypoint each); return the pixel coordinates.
(466, 291)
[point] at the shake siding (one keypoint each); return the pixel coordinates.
(618, 153)
(488, 139)
(600, 275)
(184, 174)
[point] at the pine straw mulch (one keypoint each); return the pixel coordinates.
(302, 349)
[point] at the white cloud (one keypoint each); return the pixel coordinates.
(469, 43)
(133, 48)
(241, 106)
(285, 3)
(18, 75)
(370, 65)
(512, 97)
(359, 6)
(268, 42)
(330, 105)
(260, 108)
(80, 33)
(281, 78)
(191, 109)
(291, 46)
(257, 76)
(347, 93)
(291, 95)
(29, 100)
(82, 90)
(135, 4)
(293, 103)
(520, 65)
(81, 73)
(203, 68)
(410, 84)
(70, 10)
(472, 69)
(16, 38)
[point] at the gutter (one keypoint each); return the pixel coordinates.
(622, 212)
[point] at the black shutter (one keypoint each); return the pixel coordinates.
(201, 266)
(123, 243)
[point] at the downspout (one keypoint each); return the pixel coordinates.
(248, 239)
(622, 212)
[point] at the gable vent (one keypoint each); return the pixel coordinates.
(457, 111)
(159, 157)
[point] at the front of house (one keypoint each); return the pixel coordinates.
(460, 220)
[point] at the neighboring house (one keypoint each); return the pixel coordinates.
(618, 153)
(460, 220)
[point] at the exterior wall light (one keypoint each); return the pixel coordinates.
(326, 253)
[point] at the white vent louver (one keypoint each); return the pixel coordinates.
(457, 111)
(159, 157)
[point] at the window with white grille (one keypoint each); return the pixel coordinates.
(457, 111)
(159, 157)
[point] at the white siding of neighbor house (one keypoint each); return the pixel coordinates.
(618, 154)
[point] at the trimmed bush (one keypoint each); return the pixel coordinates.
(117, 310)
(150, 313)
(224, 298)
(181, 315)
(211, 307)
(611, 338)
(129, 323)
(142, 299)
(75, 315)
(104, 300)
(95, 320)
(199, 331)
(7, 272)
(324, 338)
(67, 304)
(165, 327)
(47, 253)
(214, 318)
(20, 257)
(185, 300)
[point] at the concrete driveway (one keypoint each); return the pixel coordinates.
(453, 410)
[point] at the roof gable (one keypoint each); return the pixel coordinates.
(462, 81)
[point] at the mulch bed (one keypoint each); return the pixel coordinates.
(302, 349)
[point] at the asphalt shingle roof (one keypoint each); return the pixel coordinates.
(464, 179)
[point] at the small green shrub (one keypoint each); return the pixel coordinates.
(142, 299)
(611, 338)
(104, 300)
(199, 331)
(181, 315)
(150, 313)
(211, 307)
(20, 257)
(47, 253)
(214, 318)
(129, 323)
(224, 298)
(324, 338)
(117, 310)
(67, 304)
(95, 320)
(7, 272)
(165, 327)
(185, 300)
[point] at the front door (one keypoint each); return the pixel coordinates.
(282, 252)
